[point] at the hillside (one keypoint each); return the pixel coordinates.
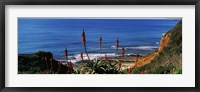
(40, 62)
(166, 60)
(168, 57)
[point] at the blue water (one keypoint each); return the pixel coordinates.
(54, 35)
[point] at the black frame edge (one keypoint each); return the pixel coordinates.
(2, 48)
(101, 2)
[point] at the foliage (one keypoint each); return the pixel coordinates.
(99, 67)
(33, 63)
(170, 59)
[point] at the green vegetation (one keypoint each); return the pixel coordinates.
(34, 63)
(99, 67)
(40, 62)
(169, 61)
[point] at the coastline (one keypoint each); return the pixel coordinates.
(127, 61)
(112, 56)
(163, 60)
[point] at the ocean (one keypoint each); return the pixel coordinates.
(55, 34)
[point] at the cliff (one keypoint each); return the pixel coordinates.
(40, 62)
(168, 57)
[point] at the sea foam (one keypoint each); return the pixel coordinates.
(93, 56)
(138, 47)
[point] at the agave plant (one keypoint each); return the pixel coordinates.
(117, 45)
(112, 69)
(83, 38)
(106, 57)
(66, 54)
(119, 65)
(81, 55)
(77, 71)
(100, 43)
(123, 51)
(136, 60)
(100, 67)
(94, 66)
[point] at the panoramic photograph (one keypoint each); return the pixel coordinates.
(99, 45)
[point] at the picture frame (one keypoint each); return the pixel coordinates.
(98, 2)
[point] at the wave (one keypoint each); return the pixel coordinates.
(138, 47)
(93, 56)
(77, 58)
(144, 47)
(97, 48)
(157, 43)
